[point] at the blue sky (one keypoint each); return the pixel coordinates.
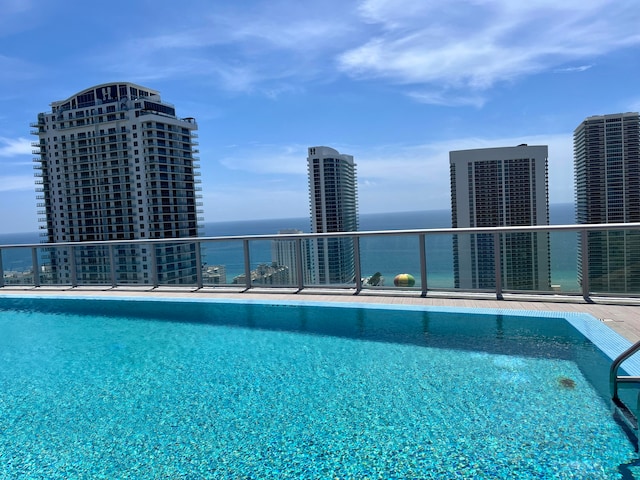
(397, 84)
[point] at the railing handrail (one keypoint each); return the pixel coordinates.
(155, 276)
(613, 371)
(359, 234)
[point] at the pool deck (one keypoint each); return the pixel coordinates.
(620, 314)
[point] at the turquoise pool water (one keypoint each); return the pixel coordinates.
(159, 389)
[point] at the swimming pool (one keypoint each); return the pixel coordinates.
(116, 388)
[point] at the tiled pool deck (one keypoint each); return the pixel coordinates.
(620, 314)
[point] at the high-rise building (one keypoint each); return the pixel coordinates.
(495, 187)
(283, 254)
(334, 208)
(116, 163)
(607, 175)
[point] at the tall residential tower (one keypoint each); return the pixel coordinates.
(334, 208)
(283, 254)
(607, 174)
(116, 163)
(495, 187)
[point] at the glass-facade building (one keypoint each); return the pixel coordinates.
(116, 163)
(607, 175)
(496, 187)
(334, 208)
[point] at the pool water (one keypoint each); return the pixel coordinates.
(140, 389)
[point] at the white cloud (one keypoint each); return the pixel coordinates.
(580, 68)
(263, 159)
(448, 99)
(11, 147)
(419, 174)
(473, 44)
(448, 51)
(255, 201)
(16, 70)
(240, 49)
(12, 183)
(390, 177)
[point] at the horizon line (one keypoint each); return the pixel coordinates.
(298, 218)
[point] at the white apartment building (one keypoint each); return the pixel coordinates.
(116, 163)
(334, 208)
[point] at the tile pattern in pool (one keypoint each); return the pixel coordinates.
(137, 389)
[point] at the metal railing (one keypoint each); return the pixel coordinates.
(626, 412)
(614, 378)
(153, 262)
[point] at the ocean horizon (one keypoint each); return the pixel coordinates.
(560, 213)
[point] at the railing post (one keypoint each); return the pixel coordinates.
(356, 264)
(300, 265)
(73, 266)
(154, 265)
(423, 264)
(1, 271)
(247, 264)
(199, 283)
(497, 254)
(35, 266)
(112, 267)
(584, 263)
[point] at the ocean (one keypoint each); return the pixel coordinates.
(389, 255)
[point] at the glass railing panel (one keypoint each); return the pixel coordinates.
(473, 261)
(51, 269)
(273, 262)
(564, 262)
(331, 262)
(131, 264)
(176, 263)
(439, 252)
(222, 262)
(92, 264)
(384, 257)
(614, 262)
(525, 261)
(17, 266)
